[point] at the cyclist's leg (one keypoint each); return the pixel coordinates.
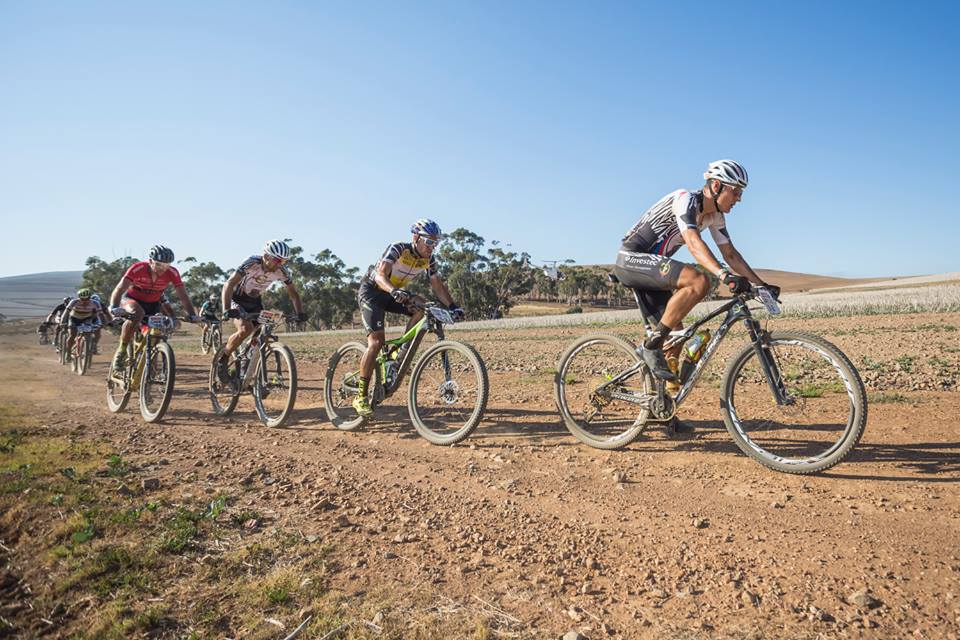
(692, 287)
(244, 329)
(96, 340)
(73, 334)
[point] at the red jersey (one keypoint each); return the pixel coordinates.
(144, 288)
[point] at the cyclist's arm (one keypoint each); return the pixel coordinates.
(440, 289)
(228, 288)
(738, 264)
(382, 276)
(122, 286)
(700, 251)
(65, 316)
(295, 297)
(185, 300)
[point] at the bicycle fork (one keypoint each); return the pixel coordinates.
(768, 362)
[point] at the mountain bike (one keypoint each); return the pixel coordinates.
(448, 385)
(61, 337)
(150, 370)
(262, 365)
(791, 400)
(212, 338)
(82, 352)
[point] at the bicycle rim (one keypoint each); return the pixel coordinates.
(585, 400)
(224, 395)
(83, 356)
(118, 394)
(448, 392)
(826, 411)
(340, 386)
(156, 386)
(275, 385)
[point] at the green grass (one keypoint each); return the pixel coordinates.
(906, 363)
(869, 363)
(882, 397)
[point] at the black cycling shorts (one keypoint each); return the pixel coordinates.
(374, 305)
(149, 308)
(76, 322)
(653, 277)
(249, 304)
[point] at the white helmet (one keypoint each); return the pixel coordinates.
(727, 172)
(277, 249)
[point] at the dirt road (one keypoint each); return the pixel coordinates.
(532, 533)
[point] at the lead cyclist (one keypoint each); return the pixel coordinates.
(670, 288)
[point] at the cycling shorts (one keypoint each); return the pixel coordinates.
(374, 305)
(653, 277)
(76, 322)
(149, 308)
(250, 304)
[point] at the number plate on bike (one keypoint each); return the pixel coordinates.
(269, 317)
(768, 301)
(442, 315)
(158, 322)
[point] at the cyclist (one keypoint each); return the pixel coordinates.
(139, 294)
(208, 314)
(381, 290)
(53, 318)
(104, 318)
(669, 288)
(80, 310)
(241, 294)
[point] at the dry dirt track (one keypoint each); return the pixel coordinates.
(668, 538)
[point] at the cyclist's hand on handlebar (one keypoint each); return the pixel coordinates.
(232, 313)
(194, 318)
(737, 284)
(457, 313)
(401, 295)
(118, 312)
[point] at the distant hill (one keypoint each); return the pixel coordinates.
(35, 294)
(791, 282)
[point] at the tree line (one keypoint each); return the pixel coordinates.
(486, 279)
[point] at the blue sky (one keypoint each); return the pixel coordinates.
(212, 127)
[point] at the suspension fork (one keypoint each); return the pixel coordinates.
(768, 363)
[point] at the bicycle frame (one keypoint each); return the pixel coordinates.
(143, 341)
(736, 310)
(262, 335)
(427, 324)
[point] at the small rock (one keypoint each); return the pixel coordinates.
(863, 600)
(269, 481)
(389, 555)
(124, 490)
(701, 523)
(342, 521)
(574, 614)
(150, 484)
(378, 618)
(750, 598)
(312, 538)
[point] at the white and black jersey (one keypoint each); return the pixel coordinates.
(256, 279)
(659, 230)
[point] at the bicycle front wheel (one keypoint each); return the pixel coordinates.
(825, 408)
(205, 340)
(216, 338)
(597, 413)
(63, 353)
(82, 361)
(340, 386)
(448, 392)
(275, 385)
(156, 386)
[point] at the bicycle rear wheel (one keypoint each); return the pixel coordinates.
(216, 338)
(448, 392)
(340, 386)
(156, 386)
(275, 385)
(205, 340)
(224, 395)
(826, 409)
(587, 404)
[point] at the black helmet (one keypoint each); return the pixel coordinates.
(161, 253)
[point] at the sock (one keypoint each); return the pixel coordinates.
(362, 387)
(656, 340)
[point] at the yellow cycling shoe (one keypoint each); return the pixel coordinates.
(362, 407)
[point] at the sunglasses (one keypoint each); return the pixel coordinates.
(430, 242)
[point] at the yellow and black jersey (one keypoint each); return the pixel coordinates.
(407, 265)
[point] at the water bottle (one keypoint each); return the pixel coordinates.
(389, 372)
(692, 352)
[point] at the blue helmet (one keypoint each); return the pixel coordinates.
(426, 227)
